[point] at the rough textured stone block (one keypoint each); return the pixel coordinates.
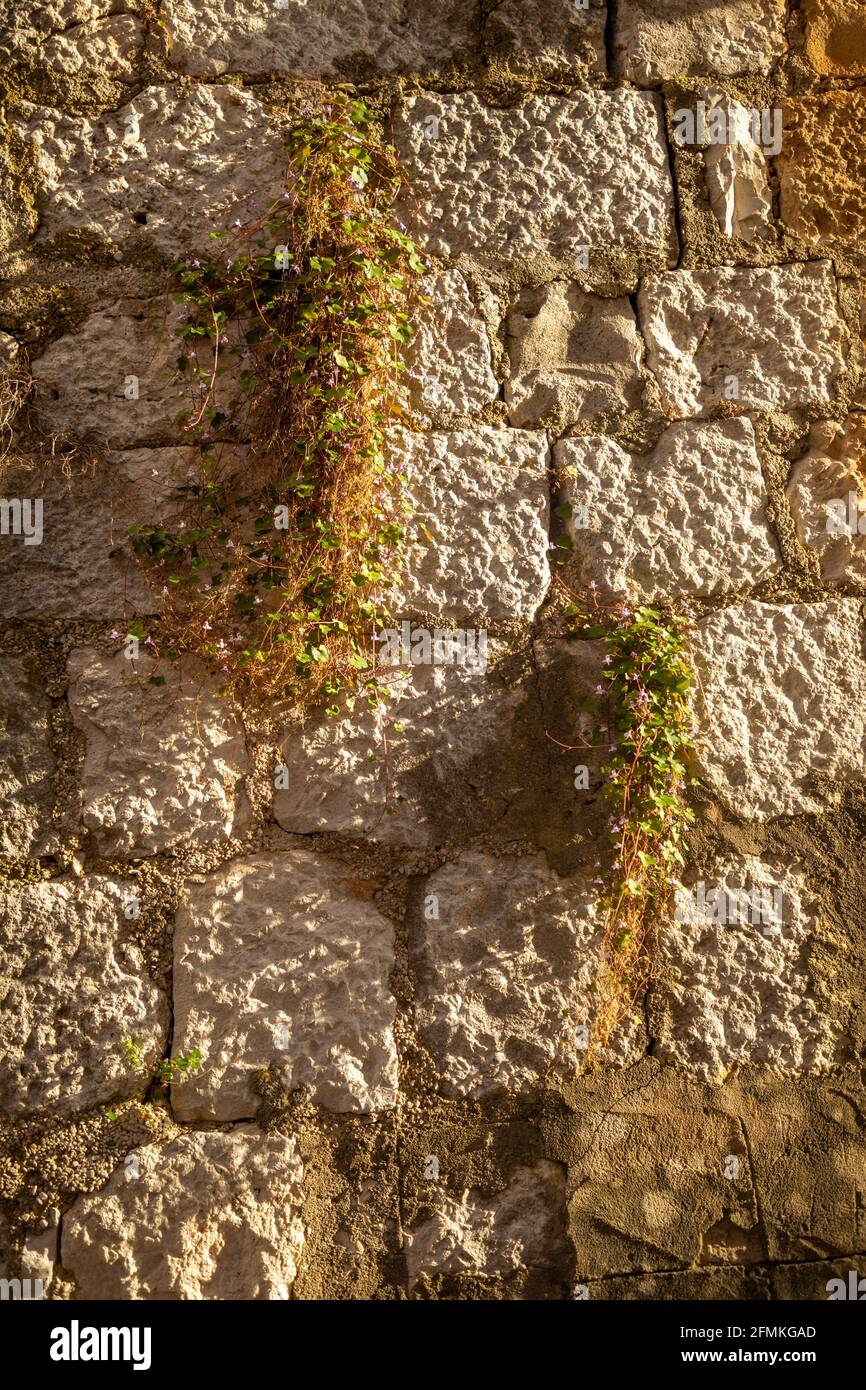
(282, 961)
(736, 173)
(822, 168)
(778, 331)
(572, 355)
(26, 761)
(72, 36)
(170, 167)
(448, 730)
(551, 37)
(205, 1216)
(836, 37)
(85, 566)
(784, 698)
(658, 39)
(512, 948)
(688, 518)
(521, 1227)
(553, 174)
(449, 357)
(736, 983)
(75, 988)
(316, 37)
(163, 764)
(827, 495)
(479, 530)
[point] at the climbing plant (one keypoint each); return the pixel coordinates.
(645, 725)
(275, 566)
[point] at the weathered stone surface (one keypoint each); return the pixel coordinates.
(836, 37)
(445, 764)
(572, 355)
(827, 494)
(822, 168)
(116, 377)
(479, 530)
(521, 1227)
(316, 38)
(205, 1216)
(553, 174)
(449, 357)
(783, 698)
(75, 988)
(85, 566)
(660, 1179)
(282, 961)
(110, 47)
(513, 947)
(163, 764)
(170, 167)
(736, 980)
(736, 173)
(26, 761)
(553, 37)
(658, 39)
(778, 331)
(688, 518)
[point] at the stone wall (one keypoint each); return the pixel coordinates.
(629, 314)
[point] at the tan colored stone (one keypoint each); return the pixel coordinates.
(763, 339)
(827, 495)
(658, 39)
(205, 1216)
(74, 989)
(736, 173)
(782, 698)
(448, 359)
(520, 1228)
(836, 37)
(552, 37)
(822, 168)
(163, 765)
(26, 761)
(109, 47)
(282, 961)
(573, 355)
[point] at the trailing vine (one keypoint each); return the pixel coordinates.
(647, 728)
(274, 568)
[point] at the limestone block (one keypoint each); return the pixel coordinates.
(827, 495)
(479, 529)
(551, 175)
(822, 168)
(772, 339)
(169, 167)
(163, 764)
(572, 355)
(84, 566)
(783, 698)
(205, 1216)
(658, 39)
(315, 38)
(513, 948)
(415, 773)
(448, 359)
(549, 37)
(520, 1228)
(26, 761)
(110, 47)
(282, 961)
(736, 172)
(688, 518)
(836, 37)
(75, 988)
(735, 969)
